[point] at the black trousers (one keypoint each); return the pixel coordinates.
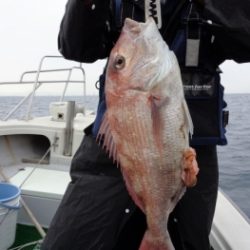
(96, 212)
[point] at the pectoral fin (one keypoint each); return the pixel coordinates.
(188, 118)
(190, 168)
(105, 138)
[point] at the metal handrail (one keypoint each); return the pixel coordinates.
(37, 84)
(12, 111)
(40, 81)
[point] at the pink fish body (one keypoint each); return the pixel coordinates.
(146, 126)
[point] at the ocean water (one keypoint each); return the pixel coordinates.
(234, 159)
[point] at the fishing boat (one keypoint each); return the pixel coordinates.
(36, 152)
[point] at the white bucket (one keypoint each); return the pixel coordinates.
(9, 205)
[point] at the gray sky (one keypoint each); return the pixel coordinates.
(28, 31)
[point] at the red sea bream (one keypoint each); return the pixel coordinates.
(146, 126)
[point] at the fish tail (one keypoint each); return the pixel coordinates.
(149, 242)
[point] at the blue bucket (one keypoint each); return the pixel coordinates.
(9, 205)
(9, 196)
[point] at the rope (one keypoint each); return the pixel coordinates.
(39, 162)
(26, 245)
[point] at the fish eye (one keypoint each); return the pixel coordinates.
(119, 62)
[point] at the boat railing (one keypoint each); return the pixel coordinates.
(37, 83)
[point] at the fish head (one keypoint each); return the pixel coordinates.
(140, 60)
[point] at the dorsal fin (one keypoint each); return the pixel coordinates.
(105, 138)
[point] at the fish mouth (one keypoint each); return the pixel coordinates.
(132, 26)
(136, 27)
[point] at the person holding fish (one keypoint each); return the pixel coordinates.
(161, 105)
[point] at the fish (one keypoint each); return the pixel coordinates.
(147, 125)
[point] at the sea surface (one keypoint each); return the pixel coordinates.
(234, 159)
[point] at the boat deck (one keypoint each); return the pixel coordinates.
(41, 182)
(26, 235)
(42, 189)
